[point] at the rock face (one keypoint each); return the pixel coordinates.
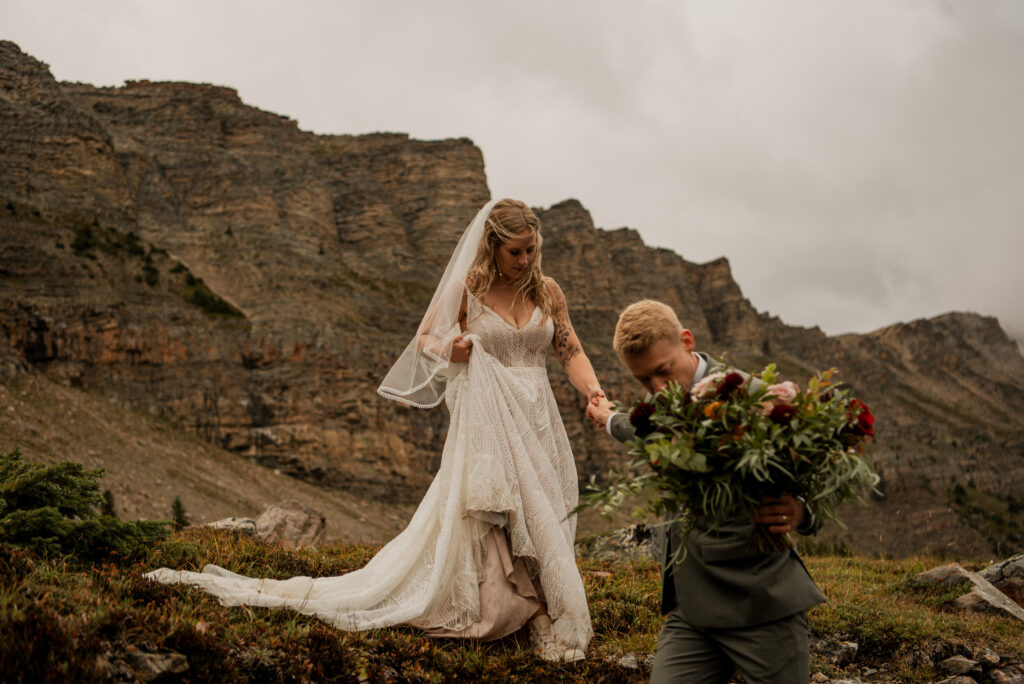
(183, 253)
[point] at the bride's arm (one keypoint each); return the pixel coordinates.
(429, 342)
(570, 354)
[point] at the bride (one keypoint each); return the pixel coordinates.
(490, 547)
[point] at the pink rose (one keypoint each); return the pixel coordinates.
(707, 386)
(785, 392)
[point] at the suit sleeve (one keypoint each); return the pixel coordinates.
(621, 428)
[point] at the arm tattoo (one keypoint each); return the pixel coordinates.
(565, 343)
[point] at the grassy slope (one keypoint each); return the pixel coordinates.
(56, 617)
(148, 462)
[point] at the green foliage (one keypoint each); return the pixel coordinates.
(717, 451)
(1000, 519)
(84, 240)
(198, 294)
(56, 617)
(178, 514)
(107, 507)
(52, 510)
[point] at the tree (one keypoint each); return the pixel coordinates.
(178, 514)
(53, 509)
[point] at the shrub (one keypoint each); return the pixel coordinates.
(52, 510)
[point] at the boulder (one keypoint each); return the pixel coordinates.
(957, 665)
(1007, 569)
(291, 524)
(951, 574)
(984, 597)
(988, 599)
(1007, 675)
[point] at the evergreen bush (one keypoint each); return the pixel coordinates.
(53, 510)
(178, 514)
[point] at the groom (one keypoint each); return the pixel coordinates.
(728, 608)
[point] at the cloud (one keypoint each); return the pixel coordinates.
(859, 163)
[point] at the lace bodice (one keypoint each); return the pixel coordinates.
(512, 347)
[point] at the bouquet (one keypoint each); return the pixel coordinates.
(715, 451)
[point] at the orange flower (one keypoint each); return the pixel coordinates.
(711, 409)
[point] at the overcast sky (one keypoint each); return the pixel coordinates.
(858, 162)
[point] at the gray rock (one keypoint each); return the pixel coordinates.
(952, 574)
(839, 653)
(957, 679)
(957, 665)
(986, 657)
(629, 662)
(1007, 675)
(634, 542)
(246, 526)
(291, 524)
(988, 599)
(150, 666)
(984, 597)
(1009, 568)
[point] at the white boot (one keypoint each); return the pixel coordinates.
(547, 645)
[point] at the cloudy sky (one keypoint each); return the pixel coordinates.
(858, 162)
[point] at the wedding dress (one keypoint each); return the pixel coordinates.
(494, 522)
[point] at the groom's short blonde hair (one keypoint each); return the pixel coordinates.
(644, 323)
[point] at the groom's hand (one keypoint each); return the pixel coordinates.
(781, 514)
(599, 410)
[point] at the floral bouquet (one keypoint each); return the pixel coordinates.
(714, 452)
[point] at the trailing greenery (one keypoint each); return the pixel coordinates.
(57, 616)
(52, 509)
(198, 294)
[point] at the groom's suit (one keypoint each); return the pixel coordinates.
(722, 587)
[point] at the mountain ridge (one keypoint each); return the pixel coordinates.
(190, 256)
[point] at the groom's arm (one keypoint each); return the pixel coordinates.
(620, 428)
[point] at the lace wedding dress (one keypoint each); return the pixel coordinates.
(494, 523)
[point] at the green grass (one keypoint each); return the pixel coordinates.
(57, 616)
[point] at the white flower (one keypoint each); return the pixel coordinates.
(785, 392)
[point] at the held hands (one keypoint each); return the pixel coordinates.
(781, 514)
(461, 349)
(599, 409)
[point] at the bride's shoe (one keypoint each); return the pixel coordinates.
(547, 645)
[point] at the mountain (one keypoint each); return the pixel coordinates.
(170, 250)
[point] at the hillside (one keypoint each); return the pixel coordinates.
(174, 253)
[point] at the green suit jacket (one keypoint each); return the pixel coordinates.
(721, 583)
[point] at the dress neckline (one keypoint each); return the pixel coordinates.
(505, 320)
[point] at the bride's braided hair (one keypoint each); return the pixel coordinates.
(509, 219)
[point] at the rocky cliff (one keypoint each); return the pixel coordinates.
(179, 252)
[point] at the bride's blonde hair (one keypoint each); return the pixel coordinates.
(509, 219)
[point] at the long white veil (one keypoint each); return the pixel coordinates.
(417, 377)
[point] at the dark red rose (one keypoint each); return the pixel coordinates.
(783, 414)
(860, 420)
(729, 384)
(640, 418)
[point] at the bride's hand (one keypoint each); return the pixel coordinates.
(596, 395)
(461, 349)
